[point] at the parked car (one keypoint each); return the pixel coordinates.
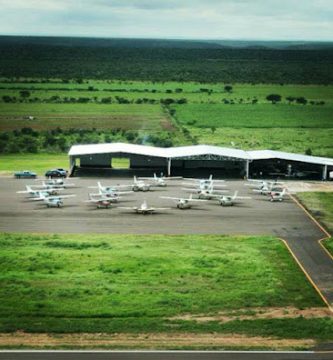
(59, 173)
(25, 174)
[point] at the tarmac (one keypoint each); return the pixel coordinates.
(257, 216)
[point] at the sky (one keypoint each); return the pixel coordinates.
(173, 19)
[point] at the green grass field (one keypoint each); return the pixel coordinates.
(321, 206)
(128, 283)
(83, 116)
(40, 163)
(288, 127)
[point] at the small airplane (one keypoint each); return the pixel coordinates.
(140, 185)
(144, 209)
(204, 184)
(53, 201)
(227, 200)
(160, 181)
(208, 193)
(277, 195)
(109, 190)
(183, 203)
(36, 193)
(101, 201)
(56, 183)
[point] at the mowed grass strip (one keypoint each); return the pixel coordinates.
(254, 116)
(81, 116)
(320, 204)
(147, 278)
(40, 163)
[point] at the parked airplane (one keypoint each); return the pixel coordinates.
(208, 193)
(144, 209)
(110, 190)
(61, 183)
(53, 201)
(204, 184)
(277, 195)
(183, 203)
(160, 180)
(101, 201)
(140, 185)
(226, 200)
(36, 193)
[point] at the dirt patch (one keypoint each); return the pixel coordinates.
(259, 313)
(148, 340)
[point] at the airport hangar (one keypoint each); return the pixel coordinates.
(198, 160)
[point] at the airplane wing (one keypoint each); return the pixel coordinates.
(53, 197)
(23, 192)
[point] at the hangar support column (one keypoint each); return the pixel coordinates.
(325, 172)
(169, 166)
(247, 168)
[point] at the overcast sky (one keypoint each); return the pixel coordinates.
(189, 19)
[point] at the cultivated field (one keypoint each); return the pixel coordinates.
(156, 284)
(182, 112)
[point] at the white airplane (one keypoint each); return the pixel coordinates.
(208, 193)
(144, 209)
(204, 184)
(227, 200)
(109, 190)
(101, 201)
(56, 183)
(140, 185)
(37, 193)
(53, 201)
(183, 203)
(277, 195)
(159, 180)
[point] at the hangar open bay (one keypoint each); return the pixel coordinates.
(198, 160)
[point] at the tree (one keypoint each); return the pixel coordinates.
(228, 88)
(308, 151)
(274, 98)
(24, 94)
(301, 100)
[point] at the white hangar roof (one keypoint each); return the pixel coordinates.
(173, 152)
(195, 150)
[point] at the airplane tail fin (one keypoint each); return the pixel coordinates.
(235, 195)
(135, 179)
(211, 177)
(28, 188)
(99, 185)
(191, 196)
(155, 176)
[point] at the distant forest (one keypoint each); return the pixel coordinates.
(166, 60)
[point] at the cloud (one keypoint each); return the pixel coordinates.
(200, 19)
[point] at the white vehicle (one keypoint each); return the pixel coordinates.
(140, 185)
(183, 203)
(144, 209)
(277, 195)
(160, 181)
(207, 194)
(53, 201)
(204, 184)
(110, 190)
(36, 193)
(227, 200)
(101, 201)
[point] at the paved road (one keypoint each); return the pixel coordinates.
(256, 216)
(167, 356)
